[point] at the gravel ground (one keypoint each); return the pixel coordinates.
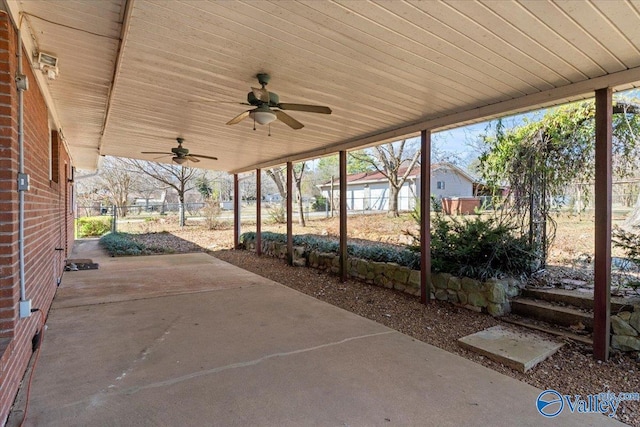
(570, 371)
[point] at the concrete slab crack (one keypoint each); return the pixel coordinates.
(146, 351)
(100, 398)
(254, 362)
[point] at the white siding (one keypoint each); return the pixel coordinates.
(375, 196)
(455, 184)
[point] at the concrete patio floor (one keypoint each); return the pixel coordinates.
(189, 340)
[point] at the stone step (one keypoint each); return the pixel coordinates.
(576, 298)
(547, 312)
(514, 348)
(547, 328)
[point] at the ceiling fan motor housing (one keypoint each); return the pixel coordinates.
(274, 99)
(263, 78)
(180, 151)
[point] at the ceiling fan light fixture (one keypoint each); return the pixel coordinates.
(263, 117)
(180, 160)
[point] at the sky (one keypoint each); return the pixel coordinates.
(463, 142)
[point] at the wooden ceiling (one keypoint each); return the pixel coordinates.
(136, 74)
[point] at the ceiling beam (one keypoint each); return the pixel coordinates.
(548, 98)
(13, 9)
(124, 32)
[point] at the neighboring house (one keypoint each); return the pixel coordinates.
(48, 215)
(370, 190)
(272, 198)
(448, 180)
(150, 199)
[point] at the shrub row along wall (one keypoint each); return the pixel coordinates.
(492, 295)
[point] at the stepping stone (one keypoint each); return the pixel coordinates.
(518, 350)
(80, 264)
(79, 261)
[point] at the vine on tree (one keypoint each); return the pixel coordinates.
(538, 161)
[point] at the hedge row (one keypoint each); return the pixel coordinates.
(124, 244)
(373, 252)
(93, 226)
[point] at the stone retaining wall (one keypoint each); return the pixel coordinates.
(492, 295)
(626, 330)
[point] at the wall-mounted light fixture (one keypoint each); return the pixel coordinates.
(48, 63)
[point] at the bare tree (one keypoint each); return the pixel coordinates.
(298, 172)
(278, 177)
(396, 161)
(180, 178)
(118, 181)
(91, 193)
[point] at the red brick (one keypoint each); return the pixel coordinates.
(44, 210)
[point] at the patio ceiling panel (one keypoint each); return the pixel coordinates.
(481, 63)
(492, 73)
(386, 68)
(79, 94)
(592, 33)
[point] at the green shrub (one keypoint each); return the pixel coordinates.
(320, 204)
(629, 242)
(93, 226)
(436, 203)
(121, 244)
(479, 248)
(473, 247)
(125, 244)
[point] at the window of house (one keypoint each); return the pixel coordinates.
(54, 157)
(440, 185)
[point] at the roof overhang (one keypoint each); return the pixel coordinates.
(136, 74)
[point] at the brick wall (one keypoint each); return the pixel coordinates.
(48, 217)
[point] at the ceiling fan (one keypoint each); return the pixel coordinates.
(181, 154)
(269, 108)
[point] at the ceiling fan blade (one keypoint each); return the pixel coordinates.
(203, 157)
(211, 101)
(240, 117)
(261, 94)
(288, 120)
(192, 158)
(155, 152)
(304, 107)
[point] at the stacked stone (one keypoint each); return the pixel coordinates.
(626, 330)
(492, 295)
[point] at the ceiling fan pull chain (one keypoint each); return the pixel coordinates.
(254, 124)
(269, 129)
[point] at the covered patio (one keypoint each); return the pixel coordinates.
(130, 76)
(191, 340)
(215, 344)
